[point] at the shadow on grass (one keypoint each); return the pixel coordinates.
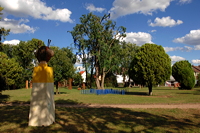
(193, 92)
(99, 120)
(60, 93)
(68, 101)
(4, 98)
(197, 92)
(137, 93)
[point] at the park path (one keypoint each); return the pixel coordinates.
(132, 106)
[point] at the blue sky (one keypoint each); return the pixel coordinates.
(174, 24)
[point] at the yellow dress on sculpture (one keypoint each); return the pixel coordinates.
(42, 106)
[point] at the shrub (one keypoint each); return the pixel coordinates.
(183, 73)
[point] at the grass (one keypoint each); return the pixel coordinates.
(107, 120)
(104, 120)
(133, 96)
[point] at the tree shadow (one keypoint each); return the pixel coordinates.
(197, 92)
(4, 98)
(68, 101)
(137, 93)
(99, 120)
(60, 93)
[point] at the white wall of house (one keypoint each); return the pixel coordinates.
(120, 78)
(84, 76)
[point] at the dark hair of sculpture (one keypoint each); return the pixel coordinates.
(44, 53)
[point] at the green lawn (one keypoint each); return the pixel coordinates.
(133, 96)
(107, 120)
(14, 119)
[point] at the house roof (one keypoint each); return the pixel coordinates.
(196, 68)
(81, 72)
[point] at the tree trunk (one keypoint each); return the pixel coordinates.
(57, 91)
(97, 82)
(103, 79)
(91, 77)
(150, 90)
(97, 76)
(124, 83)
(86, 76)
(26, 84)
(70, 83)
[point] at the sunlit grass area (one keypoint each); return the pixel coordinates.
(132, 96)
(106, 120)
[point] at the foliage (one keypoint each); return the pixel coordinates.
(183, 73)
(127, 53)
(10, 72)
(62, 64)
(77, 79)
(99, 39)
(8, 50)
(110, 80)
(24, 53)
(3, 32)
(198, 79)
(150, 66)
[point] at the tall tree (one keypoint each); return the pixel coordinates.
(183, 73)
(128, 51)
(3, 32)
(99, 37)
(10, 72)
(62, 63)
(150, 66)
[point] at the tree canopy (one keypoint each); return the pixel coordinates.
(99, 38)
(128, 52)
(10, 72)
(62, 63)
(183, 73)
(150, 66)
(3, 32)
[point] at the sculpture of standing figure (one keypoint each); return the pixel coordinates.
(42, 106)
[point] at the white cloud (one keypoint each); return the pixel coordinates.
(12, 42)
(185, 48)
(197, 47)
(36, 9)
(176, 58)
(153, 31)
(92, 8)
(185, 1)
(139, 38)
(165, 22)
(193, 38)
(196, 61)
(147, 7)
(17, 26)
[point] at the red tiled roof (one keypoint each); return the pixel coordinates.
(196, 68)
(81, 72)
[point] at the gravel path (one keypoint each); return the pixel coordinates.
(134, 106)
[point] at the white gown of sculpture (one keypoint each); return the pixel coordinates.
(42, 106)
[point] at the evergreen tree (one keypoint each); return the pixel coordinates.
(183, 73)
(150, 66)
